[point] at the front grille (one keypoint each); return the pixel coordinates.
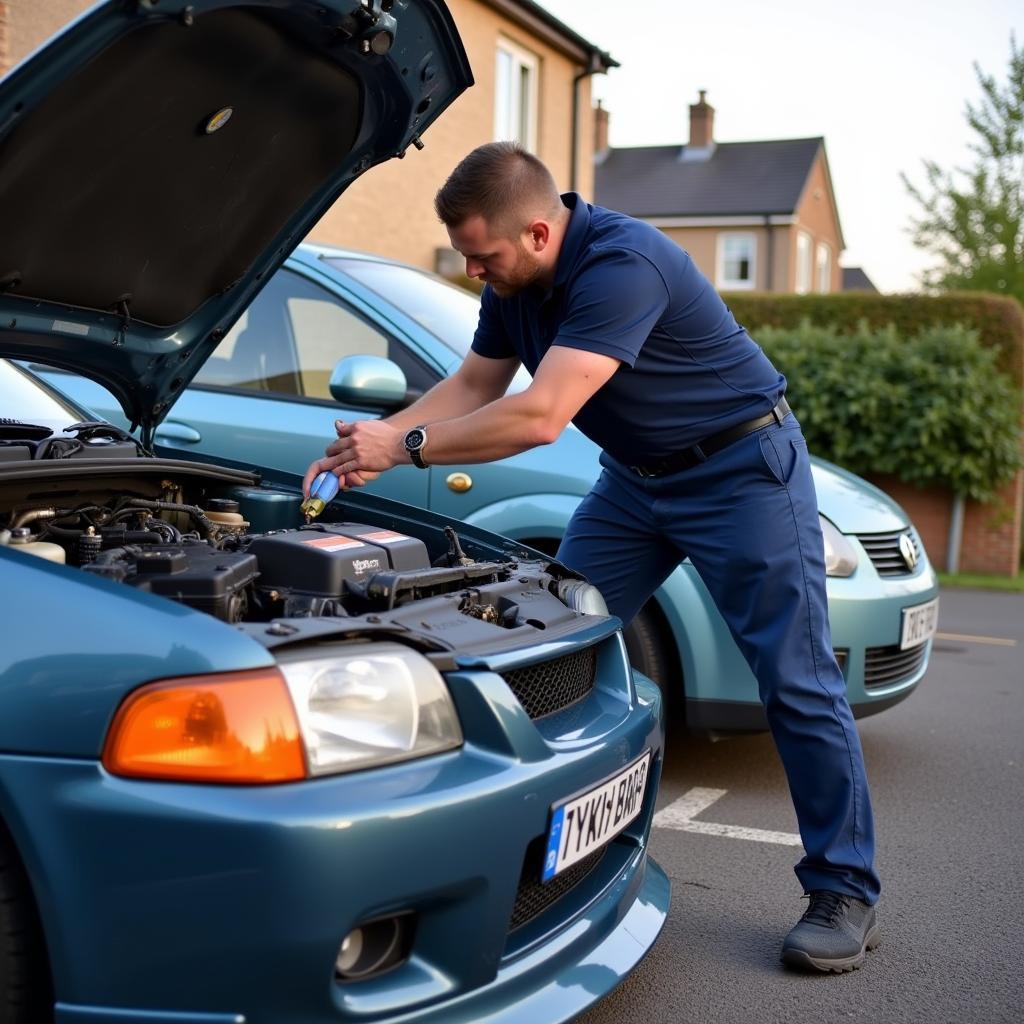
(884, 551)
(884, 666)
(533, 898)
(549, 686)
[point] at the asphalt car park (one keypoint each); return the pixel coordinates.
(946, 773)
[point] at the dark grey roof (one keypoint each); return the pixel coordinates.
(855, 280)
(738, 178)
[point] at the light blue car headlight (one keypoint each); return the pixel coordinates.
(368, 705)
(840, 555)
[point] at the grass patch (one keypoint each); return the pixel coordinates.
(978, 582)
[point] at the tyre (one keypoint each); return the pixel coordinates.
(647, 644)
(25, 989)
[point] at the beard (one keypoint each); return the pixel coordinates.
(524, 272)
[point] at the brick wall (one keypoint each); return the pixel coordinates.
(4, 63)
(991, 541)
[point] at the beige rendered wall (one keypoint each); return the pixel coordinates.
(702, 243)
(31, 22)
(390, 209)
(816, 214)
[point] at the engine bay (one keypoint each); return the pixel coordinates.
(219, 541)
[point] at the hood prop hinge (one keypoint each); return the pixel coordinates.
(121, 306)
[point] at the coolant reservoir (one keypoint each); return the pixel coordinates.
(21, 539)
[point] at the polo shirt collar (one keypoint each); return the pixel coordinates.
(575, 233)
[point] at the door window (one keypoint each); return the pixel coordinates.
(289, 340)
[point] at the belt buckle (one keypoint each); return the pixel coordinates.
(642, 472)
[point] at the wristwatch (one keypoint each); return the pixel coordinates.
(415, 442)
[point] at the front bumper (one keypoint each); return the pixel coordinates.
(174, 903)
(865, 617)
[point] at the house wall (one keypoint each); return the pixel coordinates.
(702, 245)
(389, 211)
(816, 214)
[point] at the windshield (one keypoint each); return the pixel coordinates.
(27, 400)
(447, 312)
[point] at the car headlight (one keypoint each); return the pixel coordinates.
(368, 705)
(582, 597)
(840, 554)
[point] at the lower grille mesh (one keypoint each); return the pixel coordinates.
(884, 666)
(532, 898)
(549, 686)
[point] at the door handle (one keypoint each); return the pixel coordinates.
(175, 431)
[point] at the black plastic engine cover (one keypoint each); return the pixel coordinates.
(195, 574)
(318, 560)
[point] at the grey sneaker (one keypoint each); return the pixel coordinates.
(833, 935)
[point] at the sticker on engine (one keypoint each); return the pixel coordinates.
(334, 543)
(385, 537)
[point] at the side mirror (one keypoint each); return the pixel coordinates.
(368, 380)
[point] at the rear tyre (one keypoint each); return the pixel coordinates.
(26, 995)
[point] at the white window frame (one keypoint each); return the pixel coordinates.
(722, 280)
(513, 123)
(804, 247)
(823, 267)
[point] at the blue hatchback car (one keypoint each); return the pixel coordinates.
(378, 766)
(342, 334)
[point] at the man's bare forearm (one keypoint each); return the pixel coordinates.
(448, 399)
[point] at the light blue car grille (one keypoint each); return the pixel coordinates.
(884, 666)
(884, 551)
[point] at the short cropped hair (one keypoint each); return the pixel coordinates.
(502, 183)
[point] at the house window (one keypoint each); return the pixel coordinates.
(823, 267)
(803, 263)
(515, 95)
(735, 262)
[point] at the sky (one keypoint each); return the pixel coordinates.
(885, 83)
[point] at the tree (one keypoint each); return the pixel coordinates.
(972, 220)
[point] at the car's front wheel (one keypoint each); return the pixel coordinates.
(647, 644)
(25, 988)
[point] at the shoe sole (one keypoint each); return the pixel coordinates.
(800, 960)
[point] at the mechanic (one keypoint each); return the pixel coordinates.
(701, 456)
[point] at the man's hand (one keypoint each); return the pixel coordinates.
(363, 451)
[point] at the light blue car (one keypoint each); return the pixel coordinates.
(339, 334)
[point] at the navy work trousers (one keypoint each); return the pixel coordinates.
(748, 519)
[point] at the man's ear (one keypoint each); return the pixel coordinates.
(539, 232)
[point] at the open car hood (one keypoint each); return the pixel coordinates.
(159, 159)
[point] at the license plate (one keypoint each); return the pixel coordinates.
(585, 823)
(919, 624)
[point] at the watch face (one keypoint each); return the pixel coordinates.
(414, 440)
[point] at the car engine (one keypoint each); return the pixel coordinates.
(214, 539)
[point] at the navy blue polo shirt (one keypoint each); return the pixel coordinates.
(624, 289)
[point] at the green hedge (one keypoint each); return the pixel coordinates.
(933, 409)
(998, 320)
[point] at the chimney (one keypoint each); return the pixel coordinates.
(600, 129)
(702, 122)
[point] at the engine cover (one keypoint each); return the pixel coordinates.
(319, 559)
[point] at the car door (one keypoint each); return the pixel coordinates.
(263, 397)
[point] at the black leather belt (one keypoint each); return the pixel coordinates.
(703, 450)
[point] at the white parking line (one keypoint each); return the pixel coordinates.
(994, 641)
(680, 814)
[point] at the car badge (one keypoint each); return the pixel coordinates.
(908, 551)
(218, 120)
